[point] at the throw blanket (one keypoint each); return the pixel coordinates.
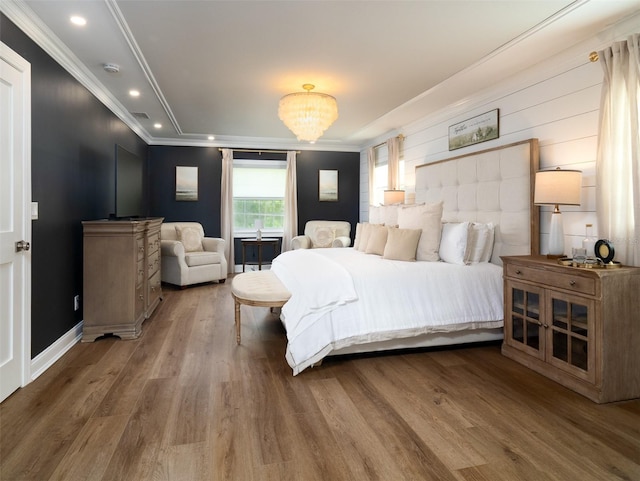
(318, 285)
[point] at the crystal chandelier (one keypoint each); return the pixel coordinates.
(308, 114)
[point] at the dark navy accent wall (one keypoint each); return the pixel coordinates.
(162, 185)
(73, 179)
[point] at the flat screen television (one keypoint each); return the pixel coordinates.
(129, 184)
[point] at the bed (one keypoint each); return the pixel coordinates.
(366, 299)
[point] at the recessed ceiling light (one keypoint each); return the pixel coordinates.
(157, 126)
(78, 20)
(134, 93)
(211, 137)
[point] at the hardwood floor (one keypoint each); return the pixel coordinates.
(183, 402)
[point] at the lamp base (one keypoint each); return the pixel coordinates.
(556, 235)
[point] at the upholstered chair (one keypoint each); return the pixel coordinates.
(188, 257)
(323, 233)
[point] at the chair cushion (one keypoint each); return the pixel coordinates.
(201, 258)
(190, 238)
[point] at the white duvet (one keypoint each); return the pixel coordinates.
(342, 297)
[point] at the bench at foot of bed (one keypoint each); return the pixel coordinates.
(258, 288)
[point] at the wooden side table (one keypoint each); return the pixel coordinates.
(274, 242)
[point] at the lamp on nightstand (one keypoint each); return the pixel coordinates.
(393, 197)
(555, 187)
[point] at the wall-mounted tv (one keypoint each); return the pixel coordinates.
(129, 184)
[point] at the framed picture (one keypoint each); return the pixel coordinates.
(186, 183)
(328, 185)
(474, 130)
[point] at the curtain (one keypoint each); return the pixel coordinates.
(226, 208)
(371, 164)
(618, 161)
(290, 203)
(393, 163)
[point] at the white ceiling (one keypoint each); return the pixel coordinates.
(219, 67)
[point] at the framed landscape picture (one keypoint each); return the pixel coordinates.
(186, 183)
(328, 185)
(474, 130)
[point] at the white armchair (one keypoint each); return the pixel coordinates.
(188, 257)
(323, 233)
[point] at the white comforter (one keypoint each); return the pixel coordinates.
(342, 297)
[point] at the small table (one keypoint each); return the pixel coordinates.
(259, 242)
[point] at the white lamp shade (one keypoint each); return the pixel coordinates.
(558, 187)
(393, 197)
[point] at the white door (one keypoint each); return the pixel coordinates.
(15, 224)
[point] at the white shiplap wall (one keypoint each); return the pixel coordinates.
(556, 102)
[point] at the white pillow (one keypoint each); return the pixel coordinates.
(389, 215)
(427, 217)
(374, 214)
(453, 243)
(356, 240)
(480, 242)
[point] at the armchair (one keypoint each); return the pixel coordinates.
(188, 257)
(323, 233)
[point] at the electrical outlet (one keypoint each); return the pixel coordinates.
(76, 303)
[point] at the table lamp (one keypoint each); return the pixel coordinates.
(393, 197)
(555, 187)
(258, 226)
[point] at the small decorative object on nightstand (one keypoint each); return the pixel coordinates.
(579, 327)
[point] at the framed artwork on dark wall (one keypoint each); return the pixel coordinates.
(328, 185)
(186, 183)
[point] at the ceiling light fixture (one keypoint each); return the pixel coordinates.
(78, 20)
(308, 114)
(134, 93)
(157, 126)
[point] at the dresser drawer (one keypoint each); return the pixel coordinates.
(140, 273)
(560, 280)
(154, 242)
(140, 247)
(153, 263)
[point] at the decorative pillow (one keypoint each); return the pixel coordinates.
(190, 238)
(364, 236)
(453, 242)
(402, 244)
(427, 217)
(480, 242)
(389, 215)
(356, 240)
(374, 214)
(377, 239)
(323, 237)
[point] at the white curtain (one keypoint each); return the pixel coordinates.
(618, 161)
(393, 148)
(226, 208)
(371, 164)
(290, 203)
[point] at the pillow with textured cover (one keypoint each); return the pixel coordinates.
(453, 242)
(190, 238)
(377, 240)
(480, 242)
(427, 217)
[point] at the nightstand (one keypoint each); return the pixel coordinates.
(577, 326)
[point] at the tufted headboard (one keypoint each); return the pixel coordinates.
(494, 185)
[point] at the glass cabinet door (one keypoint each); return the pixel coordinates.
(571, 329)
(523, 323)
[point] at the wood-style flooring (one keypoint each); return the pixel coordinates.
(183, 402)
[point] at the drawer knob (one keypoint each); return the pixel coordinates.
(518, 271)
(572, 283)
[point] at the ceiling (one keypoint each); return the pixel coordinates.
(220, 67)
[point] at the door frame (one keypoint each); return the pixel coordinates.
(24, 323)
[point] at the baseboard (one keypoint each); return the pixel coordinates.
(55, 351)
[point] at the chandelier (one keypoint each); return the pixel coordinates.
(308, 114)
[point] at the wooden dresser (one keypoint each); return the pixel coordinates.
(121, 276)
(579, 327)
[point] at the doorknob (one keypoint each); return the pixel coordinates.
(22, 246)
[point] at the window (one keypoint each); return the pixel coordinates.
(381, 176)
(258, 194)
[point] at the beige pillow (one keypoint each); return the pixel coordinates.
(402, 244)
(427, 217)
(356, 240)
(323, 237)
(377, 240)
(364, 236)
(190, 238)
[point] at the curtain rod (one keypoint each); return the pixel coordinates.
(259, 151)
(400, 136)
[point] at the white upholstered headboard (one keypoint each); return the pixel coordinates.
(494, 185)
